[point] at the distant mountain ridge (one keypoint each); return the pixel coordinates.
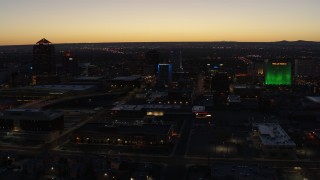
(186, 42)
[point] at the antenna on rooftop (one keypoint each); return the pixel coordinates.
(180, 66)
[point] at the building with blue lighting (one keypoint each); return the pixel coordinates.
(165, 73)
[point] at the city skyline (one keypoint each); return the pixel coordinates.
(25, 22)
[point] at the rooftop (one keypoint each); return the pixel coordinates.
(23, 110)
(27, 114)
(315, 99)
(244, 86)
(127, 78)
(126, 107)
(234, 99)
(86, 78)
(198, 108)
(107, 128)
(65, 87)
(242, 172)
(43, 41)
(272, 134)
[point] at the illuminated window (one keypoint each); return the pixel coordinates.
(155, 113)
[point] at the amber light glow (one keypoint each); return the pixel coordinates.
(159, 21)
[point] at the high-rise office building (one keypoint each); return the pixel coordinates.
(43, 58)
(44, 64)
(278, 73)
(70, 63)
(164, 73)
(153, 57)
(175, 58)
(220, 82)
(307, 67)
(256, 69)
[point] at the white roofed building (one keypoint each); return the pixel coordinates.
(273, 139)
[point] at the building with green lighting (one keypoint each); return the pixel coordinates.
(278, 73)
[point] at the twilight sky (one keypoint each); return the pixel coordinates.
(72, 21)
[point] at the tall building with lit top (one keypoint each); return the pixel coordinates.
(44, 64)
(164, 73)
(43, 60)
(278, 73)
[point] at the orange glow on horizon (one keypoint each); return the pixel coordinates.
(158, 21)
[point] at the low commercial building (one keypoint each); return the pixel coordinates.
(31, 120)
(135, 135)
(141, 110)
(126, 81)
(233, 100)
(311, 102)
(34, 124)
(246, 91)
(316, 133)
(88, 80)
(71, 89)
(179, 96)
(22, 95)
(244, 172)
(274, 141)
